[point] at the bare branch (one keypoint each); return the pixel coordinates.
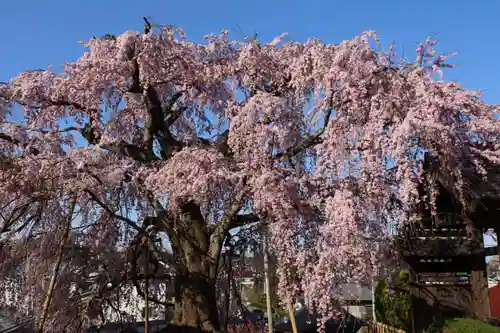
(147, 26)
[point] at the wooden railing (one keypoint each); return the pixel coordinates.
(382, 328)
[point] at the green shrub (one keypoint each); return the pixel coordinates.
(466, 325)
(392, 301)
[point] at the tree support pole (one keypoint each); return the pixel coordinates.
(268, 288)
(57, 266)
(292, 317)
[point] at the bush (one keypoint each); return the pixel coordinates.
(392, 301)
(467, 325)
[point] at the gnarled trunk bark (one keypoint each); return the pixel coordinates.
(196, 273)
(195, 301)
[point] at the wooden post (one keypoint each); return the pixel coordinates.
(497, 232)
(479, 279)
(374, 313)
(146, 287)
(268, 288)
(290, 307)
(292, 317)
(57, 266)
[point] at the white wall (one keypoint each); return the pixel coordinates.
(130, 305)
(360, 311)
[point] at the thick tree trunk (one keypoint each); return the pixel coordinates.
(196, 273)
(195, 302)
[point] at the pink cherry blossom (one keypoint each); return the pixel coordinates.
(203, 138)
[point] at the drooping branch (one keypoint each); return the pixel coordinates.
(46, 102)
(18, 213)
(104, 206)
(137, 246)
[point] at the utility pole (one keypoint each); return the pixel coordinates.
(268, 287)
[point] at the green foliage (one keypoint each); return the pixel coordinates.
(467, 325)
(392, 301)
(258, 301)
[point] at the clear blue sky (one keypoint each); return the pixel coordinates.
(38, 33)
(43, 32)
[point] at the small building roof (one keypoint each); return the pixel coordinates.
(356, 292)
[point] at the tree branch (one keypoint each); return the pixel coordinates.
(172, 115)
(51, 102)
(10, 139)
(129, 222)
(222, 229)
(243, 220)
(157, 124)
(141, 293)
(16, 214)
(147, 26)
(134, 152)
(160, 120)
(136, 250)
(309, 142)
(220, 143)
(6, 137)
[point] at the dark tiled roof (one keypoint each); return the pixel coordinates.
(155, 326)
(8, 324)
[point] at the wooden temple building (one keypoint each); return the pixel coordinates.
(446, 253)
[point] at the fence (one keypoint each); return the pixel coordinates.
(382, 328)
